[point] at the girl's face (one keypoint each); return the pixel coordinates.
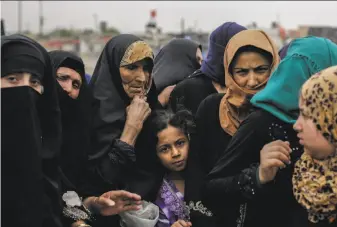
(22, 79)
(172, 148)
(311, 138)
(136, 78)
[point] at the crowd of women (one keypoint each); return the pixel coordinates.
(245, 137)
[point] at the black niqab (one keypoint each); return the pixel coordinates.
(31, 136)
(174, 62)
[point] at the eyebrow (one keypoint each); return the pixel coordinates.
(254, 68)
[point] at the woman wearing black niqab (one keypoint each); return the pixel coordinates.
(31, 135)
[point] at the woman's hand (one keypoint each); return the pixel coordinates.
(164, 96)
(181, 223)
(273, 156)
(137, 112)
(113, 202)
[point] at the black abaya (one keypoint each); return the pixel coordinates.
(41, 138)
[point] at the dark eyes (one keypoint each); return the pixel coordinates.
(33, 81)
(259, 70)
(64, 78)
(163, 149)
(167, 148)
(146, 68)
(132, 67)
(180, 143)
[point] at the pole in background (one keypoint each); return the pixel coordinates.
(2, 27)
(20, 16)
(41, 19)
(95, 22)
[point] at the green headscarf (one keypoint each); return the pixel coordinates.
(305, 57)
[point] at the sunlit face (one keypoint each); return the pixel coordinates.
(70, 81)
(172, 148)
(22, 79)
(251, 69)
(199, 56)
(136, 78)
(311, 138)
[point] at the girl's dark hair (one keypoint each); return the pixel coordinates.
(160, 120)
(250, 48)
(183, 120)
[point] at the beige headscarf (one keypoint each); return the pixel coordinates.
(235, 95)
(315, 181)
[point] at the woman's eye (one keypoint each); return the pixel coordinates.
(12, 79)
(62, 78)
(132, 67)
(241, 72)
(35, 82)
(261, 70)
(76, 85)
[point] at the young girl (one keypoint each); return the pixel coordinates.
(315, 174)
(178, 194)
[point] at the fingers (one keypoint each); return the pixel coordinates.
(123, 194)
(284, 144)
(131, 208)
(275, 163)
(280, 150)
(183, 223)
(103, 202)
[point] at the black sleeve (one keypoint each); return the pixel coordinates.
(107, 172)
(176, 97)
(233, 178)
(206, 118)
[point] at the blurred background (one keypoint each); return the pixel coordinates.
(85, 26)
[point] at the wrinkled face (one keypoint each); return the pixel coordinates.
(172, 148)
(22, 79)
(70, 81)
(199, 56)
(251, 69)
(311, 138)
(136, 78)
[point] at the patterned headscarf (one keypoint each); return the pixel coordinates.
(315, 181)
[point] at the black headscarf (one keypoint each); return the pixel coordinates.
(110, 100)
(76, 118)
(31, 137)
(213, 65)
(174, 62)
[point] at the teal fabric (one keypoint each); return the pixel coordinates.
(305, 57)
